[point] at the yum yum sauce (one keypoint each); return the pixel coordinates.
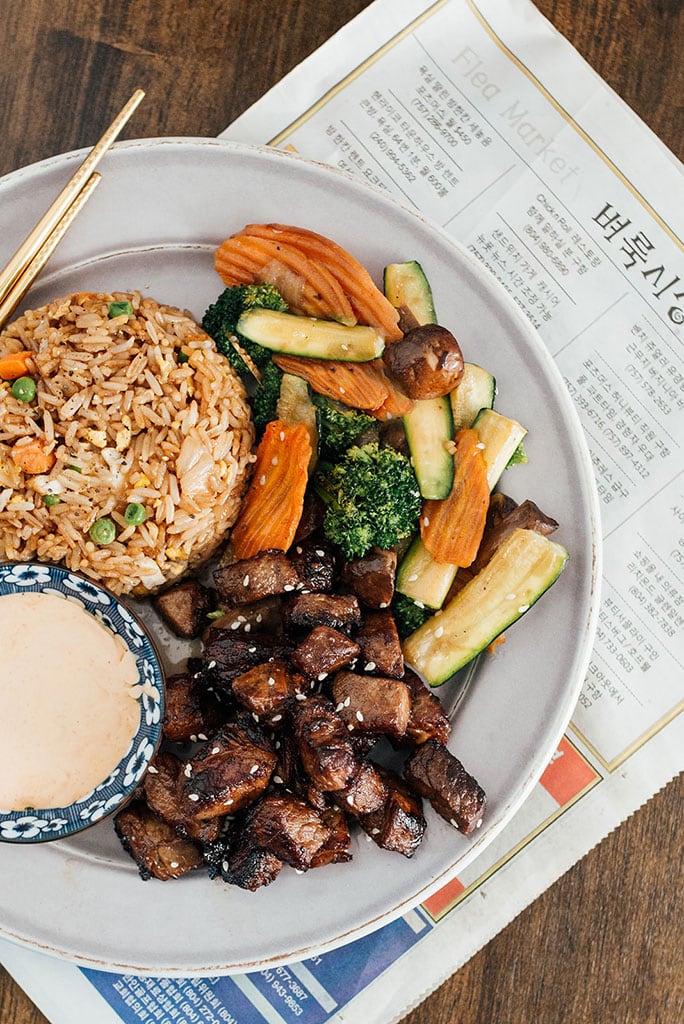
(68, 701)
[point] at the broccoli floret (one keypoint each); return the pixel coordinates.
(371, 498)
(266, 396)
(221, 317)
(408, 615)
(339, 426)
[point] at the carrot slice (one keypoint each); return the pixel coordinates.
(367, 301)
(452, 528)
(396, 405)
(14, 365)
(360, 385)
(273, 504)
(32, 458)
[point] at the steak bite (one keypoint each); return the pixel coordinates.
(289, 828)
(323, 744)
(162, 788)
(366, 791)
(191, 709)
(267, 687)
(502, 520)
(436, 774)
(372, 704)
(399, 824)
(380, 645)
(336, 849)
(249, 866)
(259, 617)
(314, 561)
(228, 772)
(228, 653)
(428, 720)
(324, 651)
(184, 608)
(252, 579)
(372, 577)
(336, 611)
(155, 845)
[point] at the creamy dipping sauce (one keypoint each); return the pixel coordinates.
(68, 701)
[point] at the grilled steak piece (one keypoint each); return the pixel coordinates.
(371, 578)
(336, 849)
(365, 793)
(428, 720)
(324, 747)
(312, 515)
(229, 653)
(266, 688)
(250, 866)
(155, 845)
(502, 520)
(305, 611)
(372, 704)
(436, 774)
(184, 607)
(192, 711)
(323, 651)
(315, 563)
(228, 772)
(162, 787)
(289, 828)
(399, 825)
(253, 579)
(380, 645)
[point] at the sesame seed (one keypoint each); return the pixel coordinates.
(299, 550)
(347, 702)
(350, 800)
(212, 664)
(350, 727)
(277, 718)
(320, 552)
(174, 864)
(369, 666)
(235, 625)
(368, 839)
(248, 627)
(194, 797)
(229, 801)
(288, 587)
(201, 736)
(300, 696)
(523, 608)
(277, 746)
(359, 716)
(510, 597)
(278, 781)
(375, 831)
(426, 520)
(274, 460)
(224, 865)
(252, 650)
(193, 739)
(413, 577)
(245, 582)
(255, 716)
(339, 707)
(262, 479)
(342, 391)
(187, 771)
(321, 676)
(259, 617)
(383, 604)
(439, 631)
(271, 681)
(419, 604)
(215, 750)
(282, 435)
(453, 822)
(152, 770)
(254, 769)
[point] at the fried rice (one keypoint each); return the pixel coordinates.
(137, 409)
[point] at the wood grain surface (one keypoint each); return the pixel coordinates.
(604, 944)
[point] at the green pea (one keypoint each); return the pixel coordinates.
(50, 499)
(103, 531)
(183, 357)
(135, 514)
(120, 309)
(24, 389)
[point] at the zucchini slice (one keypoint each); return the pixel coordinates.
(428, 428)
(423, 579)
(476, 390)
(295, 406)
(406, 285)
(500, 437)
(308, 336)
(519, 572)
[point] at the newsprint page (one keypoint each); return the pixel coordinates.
(481, 116)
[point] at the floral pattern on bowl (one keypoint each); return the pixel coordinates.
(43, 824)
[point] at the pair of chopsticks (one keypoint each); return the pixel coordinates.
(32, 255)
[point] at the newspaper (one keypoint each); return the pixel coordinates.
(479, 114)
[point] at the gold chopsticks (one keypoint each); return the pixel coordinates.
(36, 249)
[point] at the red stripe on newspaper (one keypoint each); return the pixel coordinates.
(567, 774)
(436, 904)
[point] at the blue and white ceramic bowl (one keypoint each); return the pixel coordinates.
(41, 825)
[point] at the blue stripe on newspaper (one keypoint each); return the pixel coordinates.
(310, 992)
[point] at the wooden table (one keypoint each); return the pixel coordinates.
(604, 944)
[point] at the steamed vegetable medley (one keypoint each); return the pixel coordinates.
(369, 416)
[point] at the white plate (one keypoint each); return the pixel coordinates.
(152, 225)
